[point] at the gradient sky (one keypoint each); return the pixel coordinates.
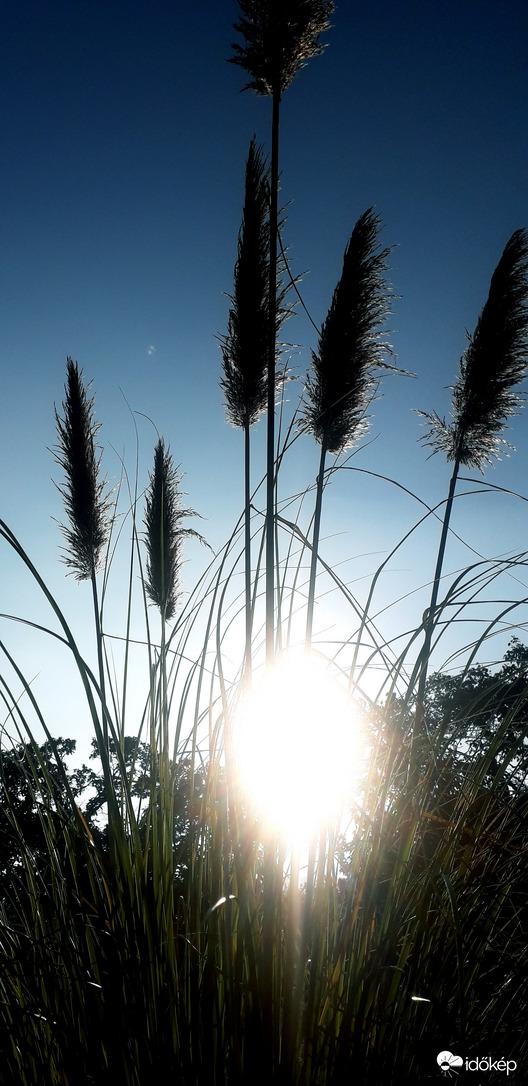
(124, 136)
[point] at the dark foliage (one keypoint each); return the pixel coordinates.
(479, 715)
(69, 925)
(471, 710)
(36, 781)
(28, 776)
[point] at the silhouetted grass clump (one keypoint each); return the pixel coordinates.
(164, 927)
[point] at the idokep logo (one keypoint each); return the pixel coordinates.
(449, 1063)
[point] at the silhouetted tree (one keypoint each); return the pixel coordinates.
(472, 710)
(34, 783)
(143, 774)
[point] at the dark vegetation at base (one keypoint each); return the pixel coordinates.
(153, 930)
(453, 865)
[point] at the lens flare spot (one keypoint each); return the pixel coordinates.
(299, 746)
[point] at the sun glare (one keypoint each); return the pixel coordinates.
(299, 746)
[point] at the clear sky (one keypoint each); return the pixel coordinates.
(124, 135)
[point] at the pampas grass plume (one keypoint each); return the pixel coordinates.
(494, 362)
(83, 492)
(280, 36)
(343, 378)
(164, 533)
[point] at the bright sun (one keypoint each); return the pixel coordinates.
(299, 746)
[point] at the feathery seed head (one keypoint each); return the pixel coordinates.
(280, 36)
(83, 492)
(164, 532)
(493, 364)
(350, 351)
(245, 346)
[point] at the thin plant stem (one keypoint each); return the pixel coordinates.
(247, 552)
(270, 454)
(100, 660)
(430, 618)
(315, 546)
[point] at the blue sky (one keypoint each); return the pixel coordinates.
(124, 136)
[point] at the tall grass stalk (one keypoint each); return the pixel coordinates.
(117, 967)
(195, 942)
(86, 505)
(484, 396)
(346, 364)
(245, 347)
(278, 39)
